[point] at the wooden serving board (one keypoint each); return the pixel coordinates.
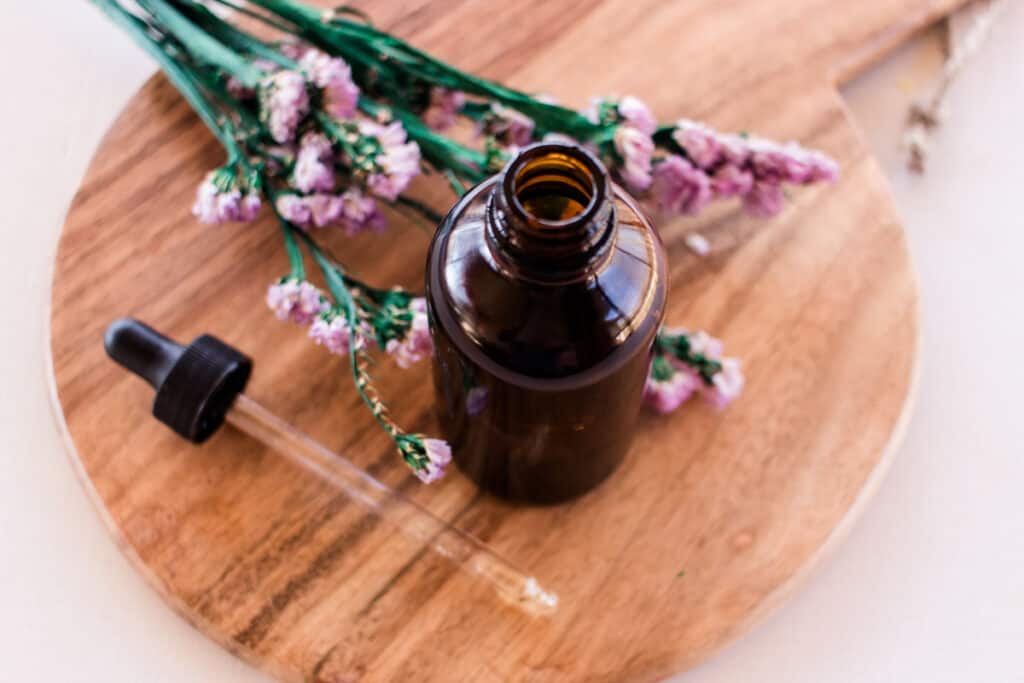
(712, 520)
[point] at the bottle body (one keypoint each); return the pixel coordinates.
(545, 289)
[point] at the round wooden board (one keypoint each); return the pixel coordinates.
(712, 519)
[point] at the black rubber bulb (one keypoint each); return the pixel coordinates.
(195, 384)
(141, 349)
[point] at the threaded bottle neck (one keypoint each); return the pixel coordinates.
(550, 217)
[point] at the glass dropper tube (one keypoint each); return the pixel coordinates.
(466, 551)
(199, 387)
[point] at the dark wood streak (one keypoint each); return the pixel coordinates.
(257, 629)
(404, 569)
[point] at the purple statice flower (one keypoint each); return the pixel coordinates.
(771, 162)
(352, 210)
(635, 114)
(219, 199)
(416, 344)
(398, 161)
(239, 90)
(438, 456)
(296, 300)
(324, 208)
(294, 50)
(443, 108)
(700, 142)
(359, 212)
(823, 167)
(332, 331)
(249, 207)
(294, 209)
(679, 186)
(734, 149)
(669, 385)
(765, 199)
(730, 180)
(284, 102)
(313, 164)
(635, 148)
(726, 385)
(510, 128)
(704, 344)
(790, 163)
(334, 78)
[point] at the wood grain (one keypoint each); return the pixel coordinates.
(821, 303)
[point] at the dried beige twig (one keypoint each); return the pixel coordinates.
(968, 29)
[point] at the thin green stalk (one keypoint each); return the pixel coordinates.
(336, 286)
(200, 44)
(269, 21)
(295, 260)
(175, 73)
(232, 36)
(439, 150)
(342, 35)
(210, 82)
(457, 187)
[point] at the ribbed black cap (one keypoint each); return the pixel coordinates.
(195, 384)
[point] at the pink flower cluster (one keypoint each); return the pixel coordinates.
(672, 381)
(284, 96)
(439, 455)
(313, 175)
(333, 332)
(632, 140)
(510, 128)
(314, 164)
(351, 210)
(720, 166)
(417, 344)
(220, 202)
(284, 102)
(296, 300)
(443, 108)
(667, 393)
(334, 78)
(397, 162)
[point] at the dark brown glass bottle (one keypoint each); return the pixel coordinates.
(545, 288)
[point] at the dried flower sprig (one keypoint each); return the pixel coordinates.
(688, 363)
(336, 116)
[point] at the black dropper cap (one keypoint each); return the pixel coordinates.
(195, 384)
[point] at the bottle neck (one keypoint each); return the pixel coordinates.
(550, 215)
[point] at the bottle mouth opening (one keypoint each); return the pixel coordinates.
(555, 185)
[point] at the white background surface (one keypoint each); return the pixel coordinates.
(930, 585)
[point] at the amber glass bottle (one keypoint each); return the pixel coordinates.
(545, 288)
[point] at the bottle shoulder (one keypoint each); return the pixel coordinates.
(546, 330)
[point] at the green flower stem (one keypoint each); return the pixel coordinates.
(210, 82)
(457, 187)
(678, 346)
(295, 260)
(336, 286)
(269, 21)
(179, 77)
(200, 44)
(440, 150)
(231, 36)
(396, 55)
